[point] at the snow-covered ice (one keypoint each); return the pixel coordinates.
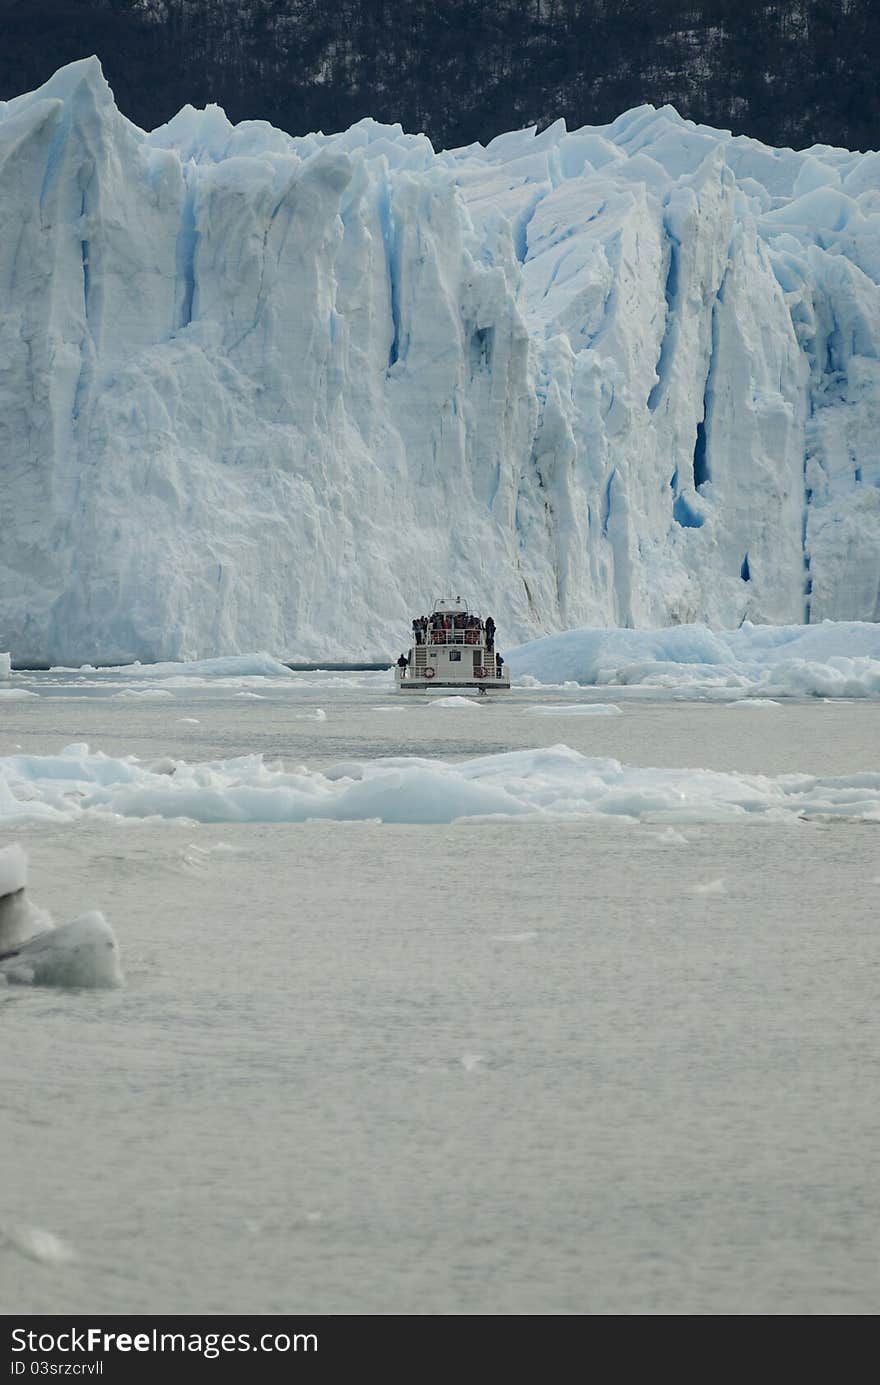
(552, 781)
(245, 371)
(832, 659)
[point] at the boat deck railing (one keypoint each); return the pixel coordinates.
(454, 637)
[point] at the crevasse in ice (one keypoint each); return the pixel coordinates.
(259, 391)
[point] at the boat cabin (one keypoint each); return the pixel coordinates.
(453, 647)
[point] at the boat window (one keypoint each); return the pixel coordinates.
(455, 656)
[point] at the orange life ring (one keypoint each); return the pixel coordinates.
(429, 672)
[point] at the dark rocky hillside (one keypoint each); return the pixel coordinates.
(793, 72)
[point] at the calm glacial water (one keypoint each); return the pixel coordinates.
(497, 1067)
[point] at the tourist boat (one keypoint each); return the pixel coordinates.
(453, 647)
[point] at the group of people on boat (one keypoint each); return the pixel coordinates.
(434, 629)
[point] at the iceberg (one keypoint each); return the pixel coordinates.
(835, 659)
(275, 392)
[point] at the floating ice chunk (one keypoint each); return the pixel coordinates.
(710, 887)
(196, 857)
(755, 702)
(471, 1061)
(457, 700)
(81, 953)
(5, 665)
(189, 721)
(15, 694)
(144, 694)
(258, 697)
(668, 838)
(32, 952)
(43, 1246)
(514, 937)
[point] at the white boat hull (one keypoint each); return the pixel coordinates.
(455, 650)
(416, 684)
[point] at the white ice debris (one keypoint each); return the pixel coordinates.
(33, 952)
(456, 700)
(471, 1061)
(43, 1246)
(710, 887)
(668, 837)
(832, 659)
(149, 694)
(555, 781)
(755, 702)
(639, 363)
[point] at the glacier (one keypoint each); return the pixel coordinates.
(260, 391)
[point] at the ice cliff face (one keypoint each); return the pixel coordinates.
(263, 391)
